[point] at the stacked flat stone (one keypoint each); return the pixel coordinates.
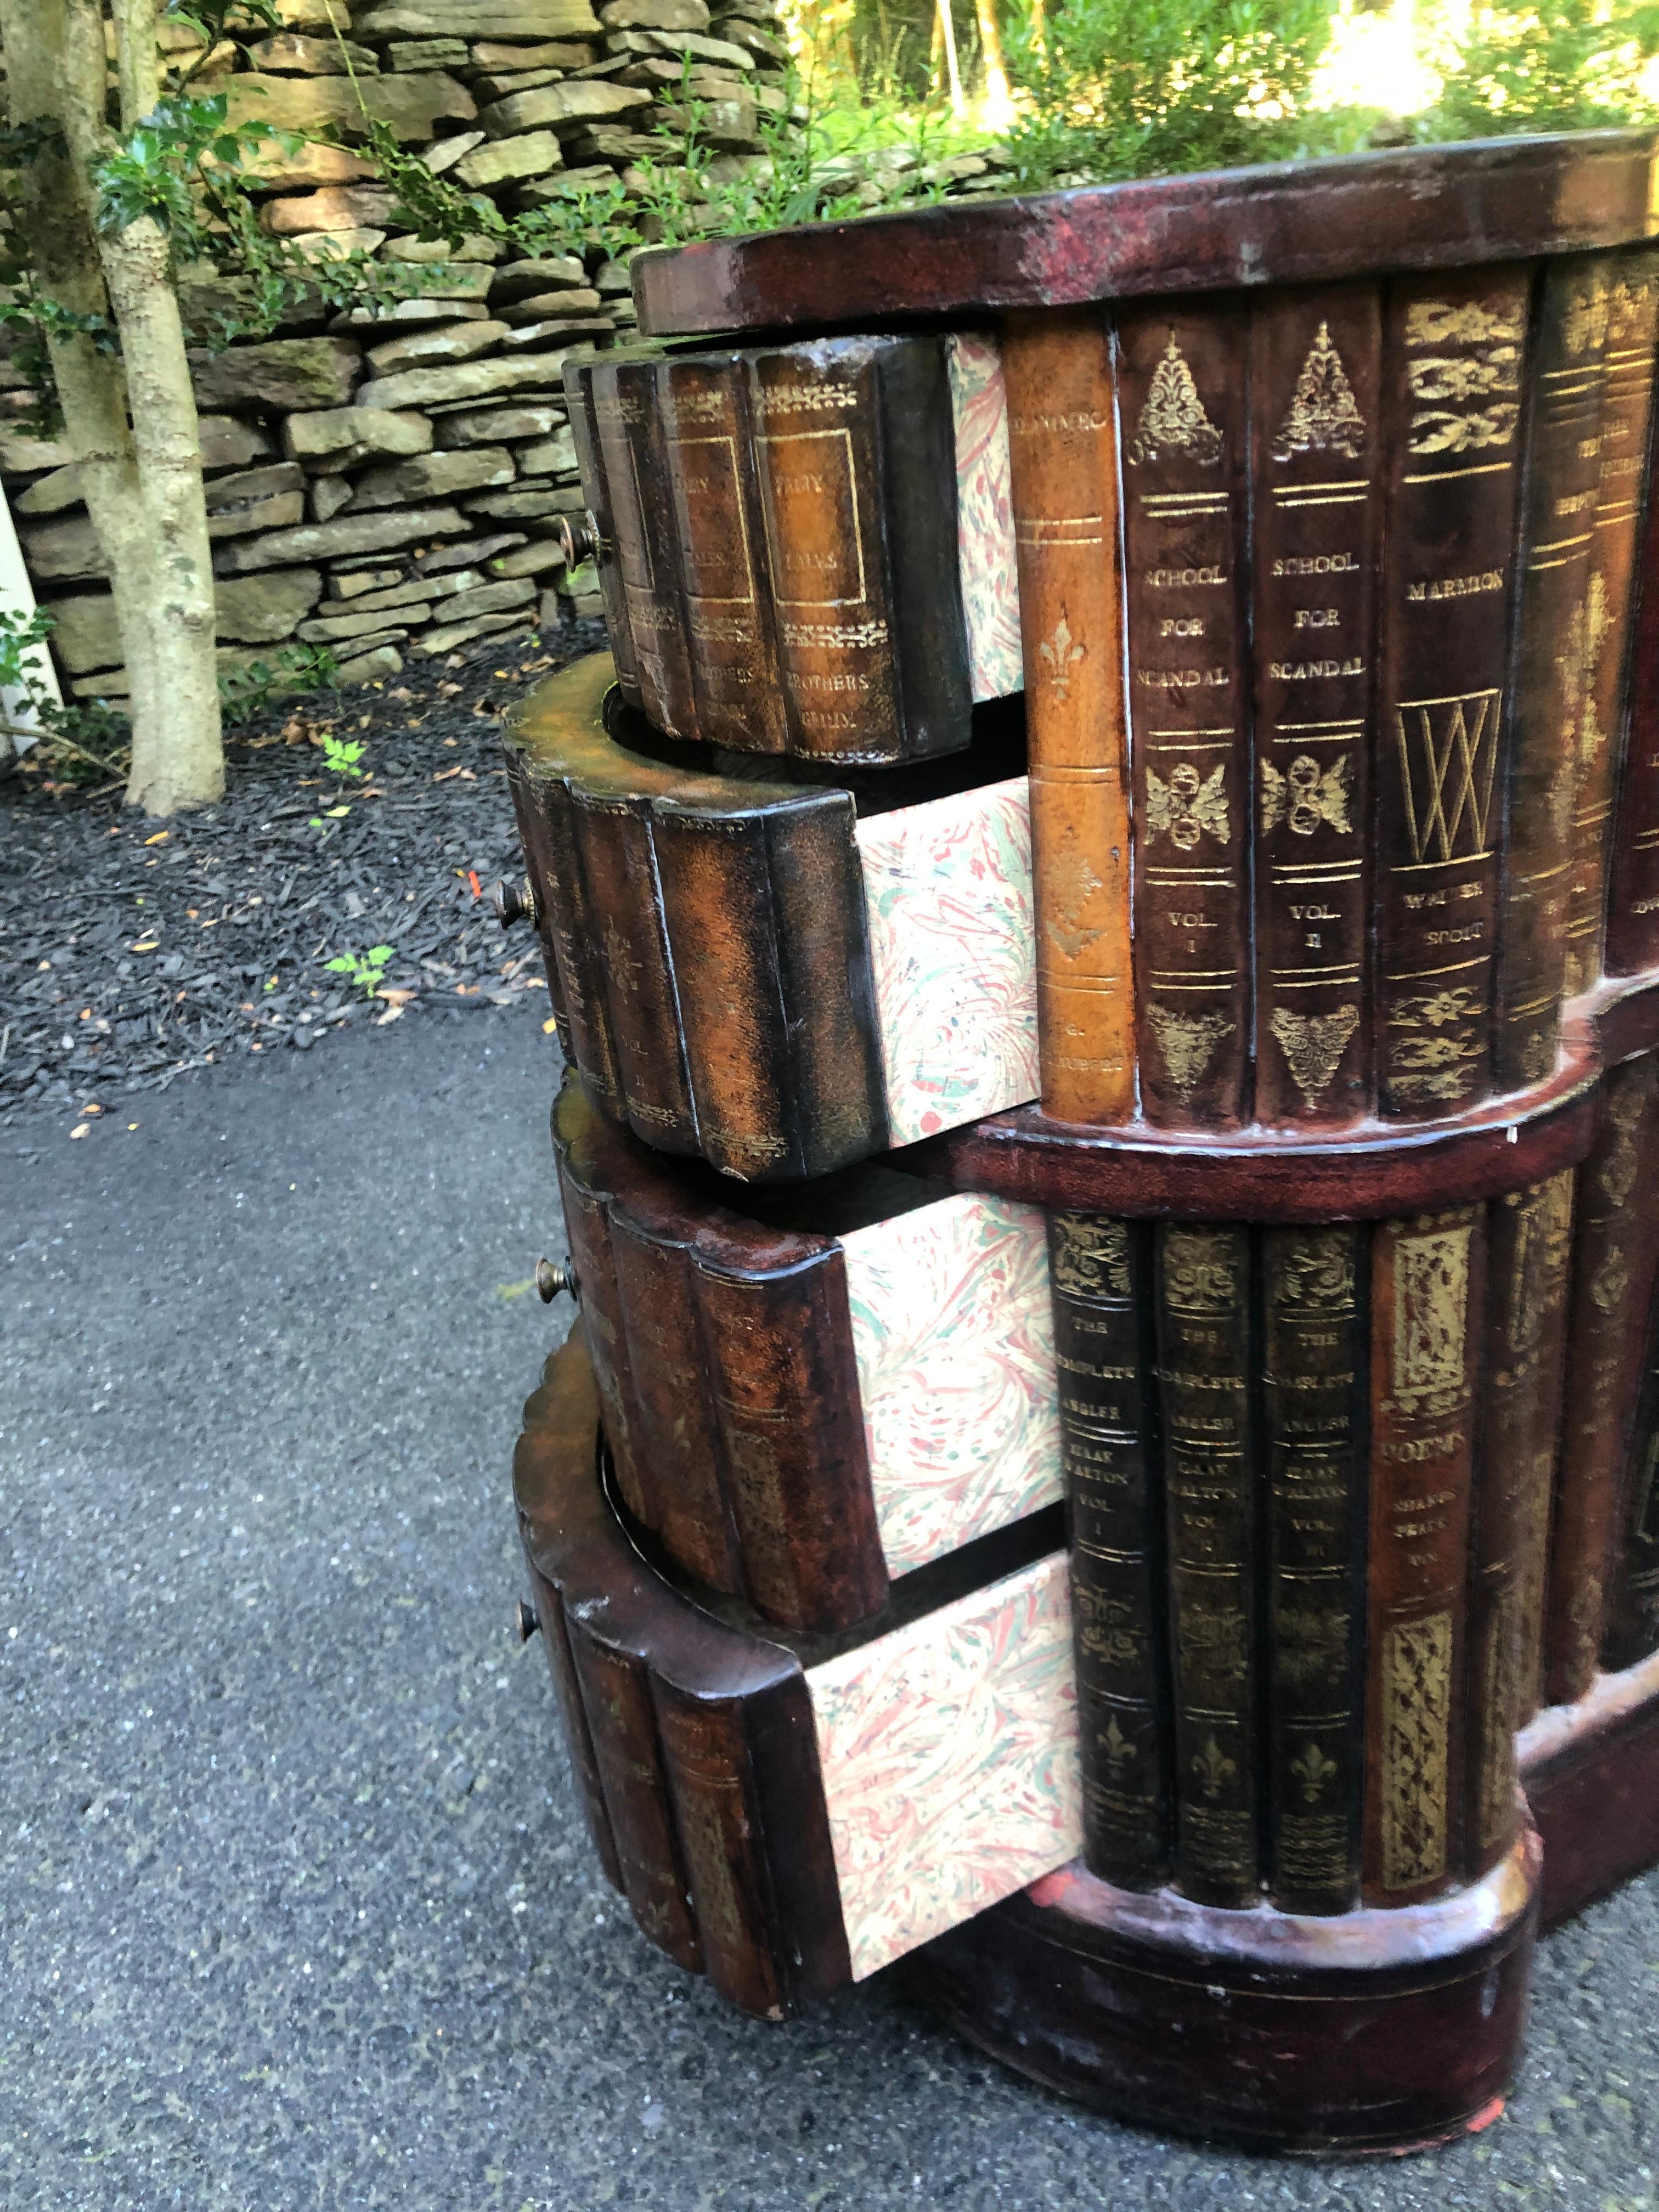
(388, 482)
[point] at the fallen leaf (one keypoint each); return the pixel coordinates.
(444, 774)
(146, 945)
(80, 1129)
(159, 838)
(548, 1027)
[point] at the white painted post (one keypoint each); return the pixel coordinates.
(19, 723)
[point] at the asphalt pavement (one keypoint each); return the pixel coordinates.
(296, 1906)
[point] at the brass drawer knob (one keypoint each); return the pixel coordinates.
(554, 1276)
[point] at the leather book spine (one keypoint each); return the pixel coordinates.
(857, 468)
(785, 1380)
(585, 437)
(539, 866)
(1558, 537)
(1314, 377)
(1614, 1266)
(1203, 1365)
(573, 935)
(631, 447)
(1633, 1597)
(1453, 355)
(1529, 1255)
(579, 1740)
(1428, 1295)
(731, 634)
(1314, 1405)
(722, 930)
(827, 980)
(1099, 1273)
(1062, 444)
(678, 1431)
(615, 1692)
(1626, 411)
(589, 1233)
(1633, 870)
(711, 1785)
(1185, 434)
(625, 898)
(766, 921)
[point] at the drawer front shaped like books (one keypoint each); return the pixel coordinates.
(809, 1399)
(790, 1814)
(770, 976)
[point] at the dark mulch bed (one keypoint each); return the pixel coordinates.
(131, 951)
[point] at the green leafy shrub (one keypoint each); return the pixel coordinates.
(1124, 89)
(1512, 66)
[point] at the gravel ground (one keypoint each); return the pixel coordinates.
(132, 951)
(295, 1905)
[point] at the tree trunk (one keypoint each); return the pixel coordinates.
(1040, 30)
(178, 752)
(57, 215)
(947, 31)
(133, 422)
(999, 107)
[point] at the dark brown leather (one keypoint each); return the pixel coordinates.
(1314, 1394)
(1317, 501)
(720, 534)
(1182, 394)
(1100, 1271)
(857, 465)
(1566, 386)
(1209, 1483)
(1452, 384)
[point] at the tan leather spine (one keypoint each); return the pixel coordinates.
(1062, 443)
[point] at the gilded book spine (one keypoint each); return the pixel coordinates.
(858, 486)
(635, 475)
(619, 867)
(1315, 366)
(1558, 539)
(573, 928)
(1531, 1248)
(1452, 379)
(711, 1783)
(1633, 304)
(704, 402)
(1614, 1267)
(538, 861)
(1063, 455)
(1633, 1604)
(1633, 884)
(615, 1692)
(1427, 1300)
(579, 1740)
(656, 1290)
(1314, 1434)
(785, 1379)
(585, 436)
(589, 1231)
(1203, 1363)
(1099, 1272)
(1185, 434)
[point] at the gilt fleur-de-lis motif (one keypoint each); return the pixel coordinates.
(1312, 1771)
(1117, 1748)
(1213, 1770)
(1058, 656)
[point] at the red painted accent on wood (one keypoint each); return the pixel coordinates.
(1291, 223)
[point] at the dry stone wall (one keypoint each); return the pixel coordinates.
(388, 482)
